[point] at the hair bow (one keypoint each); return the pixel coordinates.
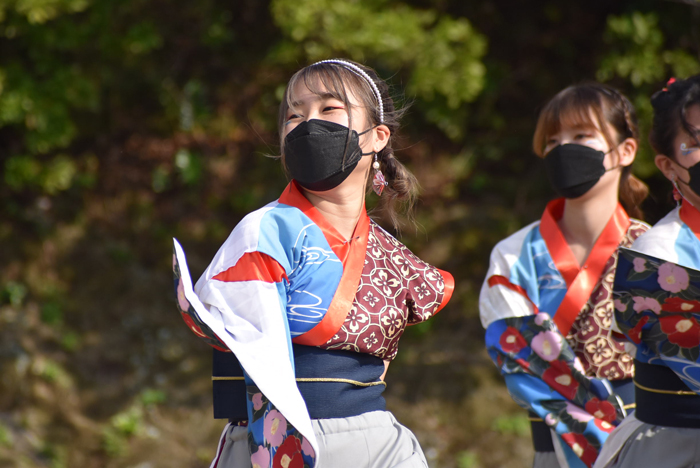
(669, 83)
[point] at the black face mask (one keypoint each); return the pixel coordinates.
(694, 173)
(574, 169)
(316, 156)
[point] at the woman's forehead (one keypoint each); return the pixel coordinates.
(313, 88)
(580, 119)
(300, 92)
(572, 119)
(692, 115)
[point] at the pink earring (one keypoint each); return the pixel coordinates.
(379, 181)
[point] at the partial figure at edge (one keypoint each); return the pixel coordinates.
(665, 428)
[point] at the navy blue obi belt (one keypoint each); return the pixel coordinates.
(663, 399)
(334, 384)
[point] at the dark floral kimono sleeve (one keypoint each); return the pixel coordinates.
(544, 376)
(272, 441)
(657, 306)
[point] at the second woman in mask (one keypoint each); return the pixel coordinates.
(546, 302)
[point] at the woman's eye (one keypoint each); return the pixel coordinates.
(581, 136)
(331, 108)
(292, 116)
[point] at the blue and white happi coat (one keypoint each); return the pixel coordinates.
(284, 276)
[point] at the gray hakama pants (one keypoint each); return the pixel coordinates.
(555, 459)
(545, 460)
(370, 440)
(635, 444)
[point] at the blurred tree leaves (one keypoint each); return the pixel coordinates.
(41, 11)
(56, 175)
(639, 52)
(124, 123)
(443, 54)
(39, 92)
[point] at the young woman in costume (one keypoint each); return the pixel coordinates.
(546, 302)
(665, 428)
(312, 296)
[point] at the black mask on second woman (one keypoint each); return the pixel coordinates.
(574, 169)
(318, 154)
(694, 173)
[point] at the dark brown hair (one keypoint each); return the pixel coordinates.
(670, 106)
(595, 104)
(338, 80)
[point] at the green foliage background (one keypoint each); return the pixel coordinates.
(126, 123)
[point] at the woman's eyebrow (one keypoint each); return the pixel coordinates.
(583, 126)
(319, 97)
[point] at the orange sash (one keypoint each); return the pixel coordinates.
(580, 281)
(351, 253)
(691, 216)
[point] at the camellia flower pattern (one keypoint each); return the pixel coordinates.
(511, 341)
(602, 410)
(670, 334)
(289, 455)
(582, 447)
(577, 407)
(604, 425)
(560, 378)
(682, 331)
(547, 345)
(280, 443)
(672, 278)
(635, 333)
(678, 304)
(275, 427)
(646, 303)
(260, 458)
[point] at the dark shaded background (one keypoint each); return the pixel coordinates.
(126, 123)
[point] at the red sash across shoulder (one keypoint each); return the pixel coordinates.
(691, 216)
(580, 280)
(350, 252)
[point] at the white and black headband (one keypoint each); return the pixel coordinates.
(360, 72)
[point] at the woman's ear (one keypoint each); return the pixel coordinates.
(627, 150)
(666, 166)
(382, 135)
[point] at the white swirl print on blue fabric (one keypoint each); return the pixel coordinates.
(686, 370)
(310, 313)
(317, 256)
(550, 281)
